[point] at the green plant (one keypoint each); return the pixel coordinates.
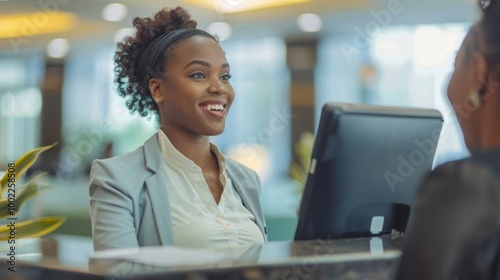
(300, 167)
(13, 197)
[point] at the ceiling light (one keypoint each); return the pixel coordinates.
(58, 48)
(233, 6)
(31, 24)
(114, 12)
(309, 22)
(220, 29)
(234, 3)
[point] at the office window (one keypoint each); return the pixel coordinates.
(401, 66)
(257, 131)
(20, 106)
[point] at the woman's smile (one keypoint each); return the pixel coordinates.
(216, 108)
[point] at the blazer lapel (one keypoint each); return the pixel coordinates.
(157, 191)
(248, 193)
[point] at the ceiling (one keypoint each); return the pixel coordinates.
(337, 15)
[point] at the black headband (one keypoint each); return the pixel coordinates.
(150, 56)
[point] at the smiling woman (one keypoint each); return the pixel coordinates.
(178, 188)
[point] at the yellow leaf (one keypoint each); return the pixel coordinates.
(22, 164)
(30, 228)
(18, 198)
(297, 173)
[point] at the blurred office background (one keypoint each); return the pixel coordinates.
(288, 57)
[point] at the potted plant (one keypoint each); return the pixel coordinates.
(300, 167)
(13, 197)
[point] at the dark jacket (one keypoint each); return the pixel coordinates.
(455, 233)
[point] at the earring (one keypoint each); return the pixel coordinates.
(474, 99)
(157, 100)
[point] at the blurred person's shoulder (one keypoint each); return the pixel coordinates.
(489, 158)
(481, 162)
(475, 172)
(455, 200)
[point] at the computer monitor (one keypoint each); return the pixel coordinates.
(366, 166)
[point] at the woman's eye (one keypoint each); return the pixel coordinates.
(198, 76)
(226, 77)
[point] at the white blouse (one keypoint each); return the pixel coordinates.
(198, 221)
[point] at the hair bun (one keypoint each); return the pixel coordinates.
(165, 20)
(175, 18)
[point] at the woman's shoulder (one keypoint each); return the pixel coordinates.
(455, 200)
(235, 166)
(133, 161)
(121, 171)
(130, 160)
(478, 163)
(465, 176)
(238, 171)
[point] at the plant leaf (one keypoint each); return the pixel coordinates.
(22, 164)
(31, 228)
(27, 191)
(297, 173)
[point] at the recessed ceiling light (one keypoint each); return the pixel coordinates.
(58, 48)
(233, 6)
(234, 3)
(309, 22)
(114, 12)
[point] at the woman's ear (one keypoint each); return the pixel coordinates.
(480, 70)
(155, 89)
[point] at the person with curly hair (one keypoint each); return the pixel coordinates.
(178, 188)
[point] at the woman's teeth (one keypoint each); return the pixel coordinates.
(217, 107)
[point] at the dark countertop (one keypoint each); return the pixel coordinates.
(68, 257)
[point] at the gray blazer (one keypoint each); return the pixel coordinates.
(129, 204)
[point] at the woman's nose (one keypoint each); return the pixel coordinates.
(217, 87)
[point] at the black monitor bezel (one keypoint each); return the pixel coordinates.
(327, 123)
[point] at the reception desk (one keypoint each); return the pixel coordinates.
(69, 257)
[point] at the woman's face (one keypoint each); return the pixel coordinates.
(462, 82)
(195, 91)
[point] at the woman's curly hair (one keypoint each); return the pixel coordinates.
(127, 75)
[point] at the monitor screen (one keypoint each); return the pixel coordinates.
(366, 166)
